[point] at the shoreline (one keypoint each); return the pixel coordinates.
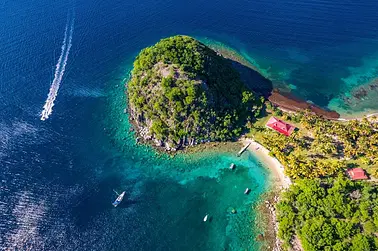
(280, 181)
(286, 101)
(358, 116)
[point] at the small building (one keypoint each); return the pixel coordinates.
(280, 126)
(357, 174)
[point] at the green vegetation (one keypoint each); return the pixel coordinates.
(324, 210)
(333, 214)
(183, 92)
(321, 147)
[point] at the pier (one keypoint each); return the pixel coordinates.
(243, 149)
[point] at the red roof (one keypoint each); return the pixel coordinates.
(357, 174)
(280, 126)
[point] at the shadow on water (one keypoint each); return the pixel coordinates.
(253, 80)
(319, 94)
(127, 202)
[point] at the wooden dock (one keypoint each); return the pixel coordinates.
(243, 149)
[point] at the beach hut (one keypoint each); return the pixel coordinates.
(357, 174)
(280, 126)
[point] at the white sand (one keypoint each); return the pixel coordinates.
(358, 117)
(272, 163)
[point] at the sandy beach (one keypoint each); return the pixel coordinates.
(359, 116)
(280, 182)
(279, 178)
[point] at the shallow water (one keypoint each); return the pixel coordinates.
(57, 175)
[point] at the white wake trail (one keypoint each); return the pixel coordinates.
(59, 71)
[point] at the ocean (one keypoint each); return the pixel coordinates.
(66, 62)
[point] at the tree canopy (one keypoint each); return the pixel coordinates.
(333, 214)
(183, 91)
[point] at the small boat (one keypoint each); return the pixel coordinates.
(247, 190)
(232, 166)
(119, 198)
(206, 217)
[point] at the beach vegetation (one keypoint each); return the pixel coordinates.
(324, 209)
(321, 147)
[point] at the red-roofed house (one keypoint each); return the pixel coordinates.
(357, 174)
(280, 126)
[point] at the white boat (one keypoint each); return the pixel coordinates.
(119, 198)
(232, 166)
(247, 190)
(205, 219)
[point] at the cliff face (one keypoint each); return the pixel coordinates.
(182, 93)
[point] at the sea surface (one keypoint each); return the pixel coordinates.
(66, 62)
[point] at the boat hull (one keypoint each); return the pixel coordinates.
(118, 200)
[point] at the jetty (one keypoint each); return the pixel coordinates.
(243, 149)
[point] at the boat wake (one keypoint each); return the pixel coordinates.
(60, 68)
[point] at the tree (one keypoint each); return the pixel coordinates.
(360, 243)
(317, 234)
(369, 227)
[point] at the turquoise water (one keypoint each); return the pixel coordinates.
(189, 187)
(57, 176)
(322, 81)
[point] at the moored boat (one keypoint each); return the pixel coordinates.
(232, 166)
(206, 217)
(247, 190)
(119, 199)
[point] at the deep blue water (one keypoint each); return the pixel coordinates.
(57, 175)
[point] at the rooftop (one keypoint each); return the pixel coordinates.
(280, 126)
(357, 174)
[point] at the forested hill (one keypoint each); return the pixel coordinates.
(182, 93)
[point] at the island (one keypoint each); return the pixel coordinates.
(183, 93)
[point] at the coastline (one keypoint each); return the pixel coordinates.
(287, 102)
(189, 169)
(358, 116)
(280, 181)
(280, 97)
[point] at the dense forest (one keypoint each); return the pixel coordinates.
(330, 214)
(182, 93)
